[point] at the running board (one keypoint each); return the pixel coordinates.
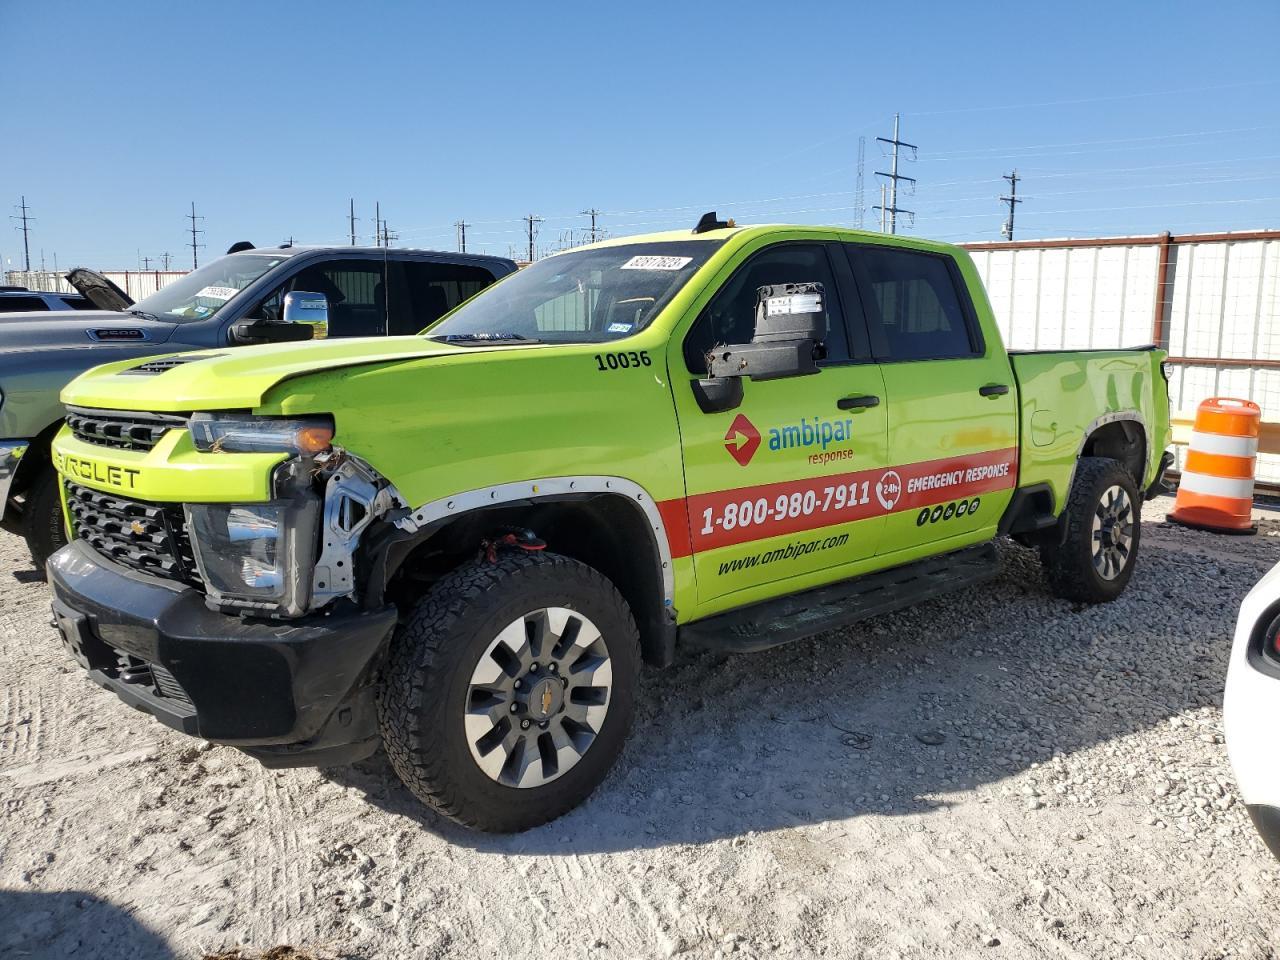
(764, 625)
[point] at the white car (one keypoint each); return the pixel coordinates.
(1251, 708)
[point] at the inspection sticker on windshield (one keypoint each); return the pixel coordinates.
(217, 293)
(657, 263)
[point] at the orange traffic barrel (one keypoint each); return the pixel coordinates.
(1216, 490)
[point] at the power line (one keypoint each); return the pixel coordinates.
(26, 233)
(195, 235)
(893, 176)
(462, 235)
(1006, 230)
(532, 222)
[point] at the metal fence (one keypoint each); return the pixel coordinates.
(1211, 300)
(136, 283)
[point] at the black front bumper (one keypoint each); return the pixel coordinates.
(291, 693)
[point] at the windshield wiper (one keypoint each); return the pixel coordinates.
(142, 313)
(485, 338)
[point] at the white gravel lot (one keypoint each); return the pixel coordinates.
(794, 803)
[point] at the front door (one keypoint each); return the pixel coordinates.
(784, 486)
(951, 398)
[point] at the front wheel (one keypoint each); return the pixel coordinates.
(42, 525)
(1102, 524)
(509, 691)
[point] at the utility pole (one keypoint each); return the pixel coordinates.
(146, 263)
(351, 220)
(881, 208)
(592, 213)
(288, 242)
(26, 234)
(858, 201)
(166, 257)
(532, 221)
(377, 223)
(1006, 229)
(42, 267)
(387, 235)
(195, 235)
(893, 176)
(462, 235)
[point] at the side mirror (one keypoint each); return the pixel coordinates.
(309, 308)
(790, 326)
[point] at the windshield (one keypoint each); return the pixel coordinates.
(585, 296)
(203, 292)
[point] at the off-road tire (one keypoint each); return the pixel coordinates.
(42, 523)
(425, 680)
(1069, 564)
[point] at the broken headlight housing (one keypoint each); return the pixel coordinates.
(259, 556)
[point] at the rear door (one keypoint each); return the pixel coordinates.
(781, 487)
(952, 402)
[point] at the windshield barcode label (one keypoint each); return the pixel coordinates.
(657, 263)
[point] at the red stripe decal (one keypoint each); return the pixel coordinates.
(707, 521)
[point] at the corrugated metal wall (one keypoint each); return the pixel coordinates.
(1222, 304)
(136, 283)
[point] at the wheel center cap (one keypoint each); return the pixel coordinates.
(545, 698)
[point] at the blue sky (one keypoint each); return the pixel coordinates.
(1120, 117)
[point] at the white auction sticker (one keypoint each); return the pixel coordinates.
(217, 293)
(657, 263)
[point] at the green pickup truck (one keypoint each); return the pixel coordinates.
(462, 545)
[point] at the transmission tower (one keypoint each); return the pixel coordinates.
(26, 233)
(858, 201)
(1006, 229)
(462, 235)
(893, 177)
(195, 235)
(532, 223)
(592, 213)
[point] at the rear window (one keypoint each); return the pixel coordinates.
(915, 304)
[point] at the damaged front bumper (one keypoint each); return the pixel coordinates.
(289, 693)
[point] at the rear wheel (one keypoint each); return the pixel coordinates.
(1103, 527)
(510, 690)
(42, 524)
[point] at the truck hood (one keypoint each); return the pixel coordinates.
(79, 328)
(239, 378)
(98, 290)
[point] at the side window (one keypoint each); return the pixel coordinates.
(915, 306)
(355, 291)
(77, 303)
(423, 292)
(22, 304)
(730, 316)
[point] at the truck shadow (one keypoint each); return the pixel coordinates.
(898, 714)
(73, 923)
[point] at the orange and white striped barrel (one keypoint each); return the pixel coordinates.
(1216, 490)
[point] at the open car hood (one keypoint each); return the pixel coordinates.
(98, 290)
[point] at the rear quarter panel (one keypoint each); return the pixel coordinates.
(1065, 396)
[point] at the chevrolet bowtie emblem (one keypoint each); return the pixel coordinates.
(138, 527)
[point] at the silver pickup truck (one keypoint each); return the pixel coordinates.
(249, 296)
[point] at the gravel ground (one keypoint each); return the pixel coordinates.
(990, 774)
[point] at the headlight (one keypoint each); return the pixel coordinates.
(242, 433)
(256, 556)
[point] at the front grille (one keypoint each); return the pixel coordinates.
(124, 430)
(149, 537)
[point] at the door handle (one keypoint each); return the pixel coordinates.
(994, 390)
(858, 403)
